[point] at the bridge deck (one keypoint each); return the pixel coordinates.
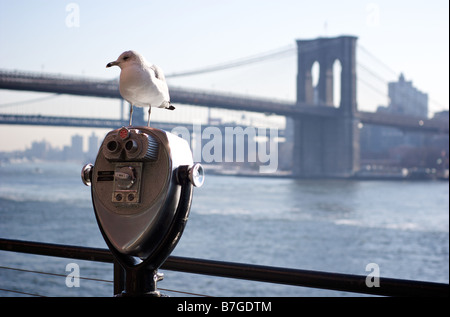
(109, 89)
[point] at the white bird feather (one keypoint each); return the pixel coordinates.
(141, 84)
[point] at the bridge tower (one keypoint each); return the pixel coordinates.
(326, 146)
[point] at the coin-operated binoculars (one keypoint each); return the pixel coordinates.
(142, 184)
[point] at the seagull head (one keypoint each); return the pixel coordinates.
(127, 58)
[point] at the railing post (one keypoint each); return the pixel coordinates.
(119, 278)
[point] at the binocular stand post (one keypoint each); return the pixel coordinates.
(136, 282)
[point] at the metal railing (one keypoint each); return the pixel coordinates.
(287, 276)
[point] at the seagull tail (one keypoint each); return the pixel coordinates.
(167, 105)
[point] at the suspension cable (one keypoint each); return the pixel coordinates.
(237, 63)
(16, 103)
(387, 67)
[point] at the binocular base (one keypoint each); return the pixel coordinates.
(148, 294)
(139, 283)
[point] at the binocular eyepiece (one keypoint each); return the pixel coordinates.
(131, 145)
(141, 186)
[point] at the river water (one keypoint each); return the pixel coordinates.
(327, 225)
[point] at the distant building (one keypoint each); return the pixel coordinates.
(77, 143)
(441, 115)
(76, 149)
(39, 150)
(406, 99)
(93, 145)
(379, 142)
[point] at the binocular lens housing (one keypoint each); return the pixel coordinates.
(113, 146)
(133, 145)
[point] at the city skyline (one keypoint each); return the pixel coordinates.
(80, 148)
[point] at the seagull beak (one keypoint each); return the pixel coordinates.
(115, 63)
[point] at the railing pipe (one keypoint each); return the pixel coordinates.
(296, 277)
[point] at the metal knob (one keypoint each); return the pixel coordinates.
(86, 174)
(196, 175)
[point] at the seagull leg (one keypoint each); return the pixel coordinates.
(131, 113)
(149, 112)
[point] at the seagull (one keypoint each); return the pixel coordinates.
(141, 84)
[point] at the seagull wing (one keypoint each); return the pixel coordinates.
(158, 72)
(162, 86)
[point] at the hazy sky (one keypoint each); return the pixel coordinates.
(80, 37)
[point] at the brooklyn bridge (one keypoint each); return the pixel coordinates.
(325, 137)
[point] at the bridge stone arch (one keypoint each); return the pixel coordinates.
(323, 145)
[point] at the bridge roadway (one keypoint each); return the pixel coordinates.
(83, 86)
(39, 120)
(76, 122)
